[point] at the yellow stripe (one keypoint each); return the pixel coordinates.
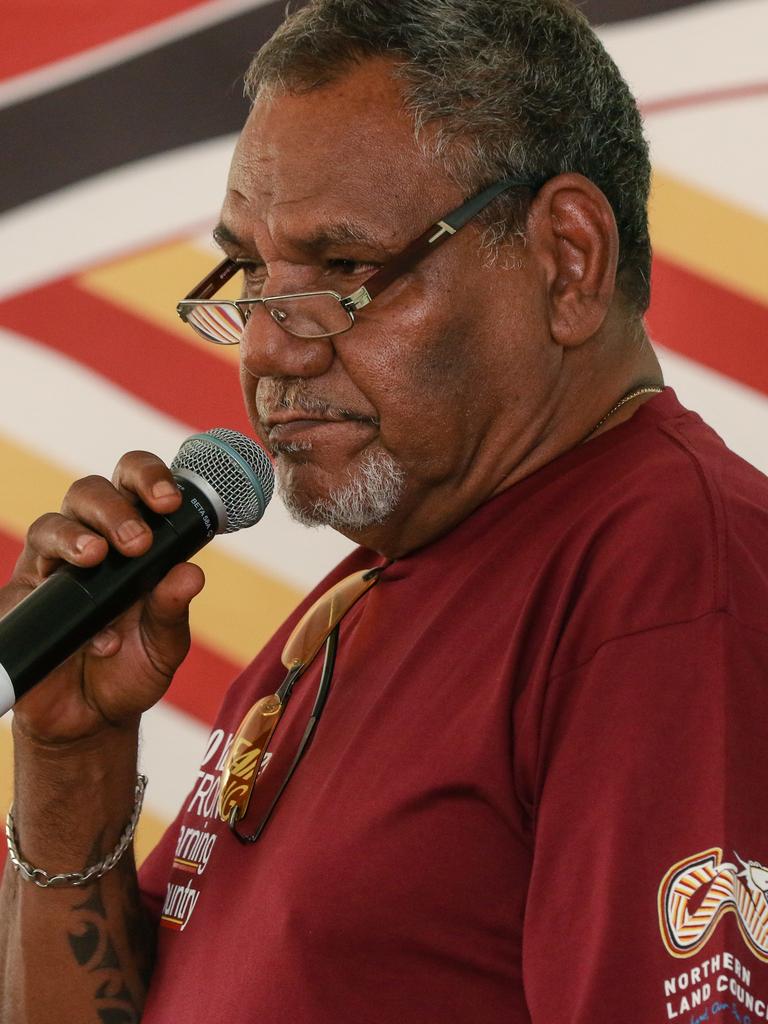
(240, 607)
(151, 826)
(690, 226)
(148, 833)
(151, 283)
(238, 610)
(710, 236)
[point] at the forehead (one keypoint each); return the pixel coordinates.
(343, 153)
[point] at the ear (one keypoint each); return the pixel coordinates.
(572, 230)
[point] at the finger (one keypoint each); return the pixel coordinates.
(165, 619)
(144, 476)
(53, 539)
(97, 504)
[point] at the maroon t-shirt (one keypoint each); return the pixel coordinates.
(536, 793)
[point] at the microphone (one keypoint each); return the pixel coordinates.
(226, 482)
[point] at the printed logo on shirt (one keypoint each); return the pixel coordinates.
(196, 841)
(718, 988)
(197, 838)
(696, 892)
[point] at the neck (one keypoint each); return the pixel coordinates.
(590, 384)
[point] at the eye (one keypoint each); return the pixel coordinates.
(350, 267)
(254, 275)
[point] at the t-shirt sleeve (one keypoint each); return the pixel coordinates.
(648, 900)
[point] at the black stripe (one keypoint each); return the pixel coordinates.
(602, 12)
(183, 92)
(186, 91)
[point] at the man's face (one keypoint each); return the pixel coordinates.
(416, 415)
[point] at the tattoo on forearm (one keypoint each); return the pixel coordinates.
(94, 949)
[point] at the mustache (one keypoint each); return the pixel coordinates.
(295, 395)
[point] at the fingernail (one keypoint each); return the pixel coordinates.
(82, 542)
(164, 489)
(130, 530)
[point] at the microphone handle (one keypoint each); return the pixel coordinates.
(73, 604)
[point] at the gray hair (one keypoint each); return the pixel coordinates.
(511, 88)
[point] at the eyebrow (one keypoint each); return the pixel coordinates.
(221, 233)
(340, 232)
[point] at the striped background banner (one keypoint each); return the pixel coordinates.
(118, 121)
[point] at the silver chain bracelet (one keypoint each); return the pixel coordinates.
(43, 880)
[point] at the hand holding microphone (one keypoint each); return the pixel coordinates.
(117, 543)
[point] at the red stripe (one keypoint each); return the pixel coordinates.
(199, 685)
(10, 549)
(710, 324)
(705, 98)
(182, 380)
(689, 314)
(37, 32)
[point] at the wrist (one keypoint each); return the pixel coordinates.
(45, 879)
(72, 801)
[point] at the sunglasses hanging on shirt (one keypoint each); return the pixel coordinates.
(318, 626)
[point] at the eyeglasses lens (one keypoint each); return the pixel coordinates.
(310, 316)
(219, 322)
(305, 316)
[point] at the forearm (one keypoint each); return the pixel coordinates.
(76, 954)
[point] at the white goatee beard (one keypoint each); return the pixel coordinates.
(368, 498)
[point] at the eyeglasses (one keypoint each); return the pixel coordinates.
(319, 625)
(318, 314)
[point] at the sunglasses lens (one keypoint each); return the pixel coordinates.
(246, 756)
(315, 626)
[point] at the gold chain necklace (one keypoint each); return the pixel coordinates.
(648, 390)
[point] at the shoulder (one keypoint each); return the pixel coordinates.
(674, 528)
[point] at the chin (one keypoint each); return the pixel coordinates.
(369, 493)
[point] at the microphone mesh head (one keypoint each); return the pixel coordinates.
(236, 468)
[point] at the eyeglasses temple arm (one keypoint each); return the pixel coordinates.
(473, 206)
(432, 237)
(219, 276)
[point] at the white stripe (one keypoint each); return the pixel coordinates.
(172, 746)
(69, 431)
(692, 49)
(83, 423)
(738, 413)
(116, 212)
(716, 148)
(117, 51)
(7, 692)
(179, 192)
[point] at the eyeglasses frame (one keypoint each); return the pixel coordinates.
(374, 285)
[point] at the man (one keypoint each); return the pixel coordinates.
(538, 753)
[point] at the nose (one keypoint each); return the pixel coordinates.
(268, 350)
